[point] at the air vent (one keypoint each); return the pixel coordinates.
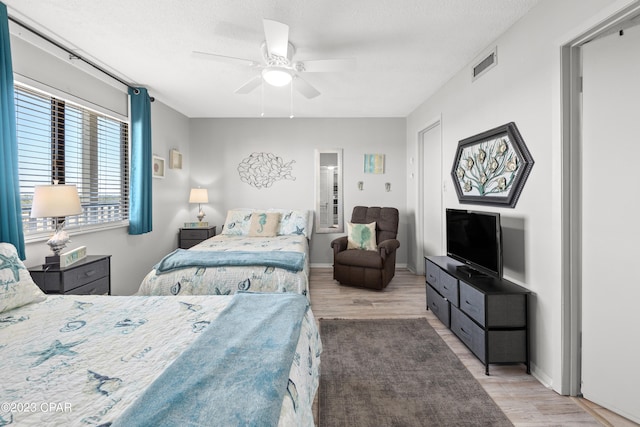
(485, 64)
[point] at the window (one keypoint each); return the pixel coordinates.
(59, 140)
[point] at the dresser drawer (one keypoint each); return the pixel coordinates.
(449, 288)
(97, 287)
(438, 305)
(74, 278)
(469, 333)
(507, 346)
(432, 274)
(472, 302)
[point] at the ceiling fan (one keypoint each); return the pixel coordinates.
(278, 67)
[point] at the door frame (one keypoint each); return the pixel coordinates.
(571, 161)
(431, 124)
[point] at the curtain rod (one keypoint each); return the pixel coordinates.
(73, 55)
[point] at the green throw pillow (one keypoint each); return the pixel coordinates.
(361, 236)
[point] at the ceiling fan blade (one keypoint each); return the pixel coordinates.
(326, 65)
(225, 58)
(277, 37)
(249, 86)
(305, 88)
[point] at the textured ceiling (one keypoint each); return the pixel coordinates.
(404, 49)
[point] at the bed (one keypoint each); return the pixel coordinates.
(257, 251)
(153, 360)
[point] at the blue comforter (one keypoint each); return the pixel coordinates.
(182, 258)
(235, 374)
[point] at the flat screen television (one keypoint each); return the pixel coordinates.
(475, 239)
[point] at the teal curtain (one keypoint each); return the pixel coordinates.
(10, 210)
(140, 174)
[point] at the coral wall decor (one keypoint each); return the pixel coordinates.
(492, 167)
(261, 170)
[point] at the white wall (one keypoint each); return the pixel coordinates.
(523, 88)
(221, 144)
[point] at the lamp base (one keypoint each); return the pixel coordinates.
(51, 261)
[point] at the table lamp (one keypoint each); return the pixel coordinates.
(199, 195)
(56, 201)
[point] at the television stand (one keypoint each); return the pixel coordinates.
(488, 314)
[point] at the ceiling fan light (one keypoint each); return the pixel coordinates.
(276, 76)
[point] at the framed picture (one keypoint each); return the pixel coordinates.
(492, 167)
(374, 163)
(158, 167)
(175, 159)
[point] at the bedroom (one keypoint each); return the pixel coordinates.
(211, 154)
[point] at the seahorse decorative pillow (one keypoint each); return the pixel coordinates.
(361, 236)
(16, 286)
(264, 224)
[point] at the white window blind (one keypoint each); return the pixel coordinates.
(59, 140)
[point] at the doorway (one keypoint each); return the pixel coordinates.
(600, 92)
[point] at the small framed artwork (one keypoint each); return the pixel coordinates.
(158, 167)
(175, 159)
(374, 163)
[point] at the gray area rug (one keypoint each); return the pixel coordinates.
(397, 372)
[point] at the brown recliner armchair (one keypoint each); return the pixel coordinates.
(364, 268)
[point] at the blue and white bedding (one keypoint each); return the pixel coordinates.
(82, 360)
(228, 279)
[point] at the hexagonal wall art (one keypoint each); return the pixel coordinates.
(492, 167)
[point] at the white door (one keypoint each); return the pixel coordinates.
(610, 222)
(432, 210)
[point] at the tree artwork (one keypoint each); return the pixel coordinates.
(492, 167)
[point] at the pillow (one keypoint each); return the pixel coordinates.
(237, 223)
(16, 286)
(293, 222)
(361, 236)
(264, 224)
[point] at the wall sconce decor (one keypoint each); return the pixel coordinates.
(56, 201)
(175, 159)
(360, 185)
(387, 186)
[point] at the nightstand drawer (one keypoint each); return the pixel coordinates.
(98, 287)
(195, 234)
(77, 277)
(190, 237)
(89, 275)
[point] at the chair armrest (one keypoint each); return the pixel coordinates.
(339, 244)
(386, 247)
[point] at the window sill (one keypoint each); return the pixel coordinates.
(44, 236)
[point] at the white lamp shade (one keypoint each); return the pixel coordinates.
(199, 195)
(276, 76)
(55, 201)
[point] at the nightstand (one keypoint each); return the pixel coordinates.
(89, 276)
(192, 236)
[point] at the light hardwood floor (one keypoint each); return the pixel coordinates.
(522, 398)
